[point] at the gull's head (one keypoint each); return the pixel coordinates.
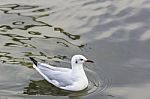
(80, 59)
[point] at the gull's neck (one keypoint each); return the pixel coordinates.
(77, 69)
(79, 75)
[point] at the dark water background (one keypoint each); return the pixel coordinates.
(114, 33)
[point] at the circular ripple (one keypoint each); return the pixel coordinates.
(98, 82)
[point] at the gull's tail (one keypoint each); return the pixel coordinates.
(33, 60)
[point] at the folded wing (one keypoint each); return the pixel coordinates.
(60, 77)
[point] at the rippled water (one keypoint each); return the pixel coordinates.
(114, 33)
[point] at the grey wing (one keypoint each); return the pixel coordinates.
(53, 68)
(60, 77)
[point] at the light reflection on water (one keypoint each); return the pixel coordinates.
(17, 40)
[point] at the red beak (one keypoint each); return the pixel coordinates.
(89, 61)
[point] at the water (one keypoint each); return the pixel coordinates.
(115, 34)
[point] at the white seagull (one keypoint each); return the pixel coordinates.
(73, 79)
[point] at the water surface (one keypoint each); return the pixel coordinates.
(115, 34)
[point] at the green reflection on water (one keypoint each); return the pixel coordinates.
(20, 41)
(42, 87)
(34, 18)
(34, 33)
(73, 37)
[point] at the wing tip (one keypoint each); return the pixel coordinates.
(33, 60)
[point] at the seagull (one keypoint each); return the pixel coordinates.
(71, 79)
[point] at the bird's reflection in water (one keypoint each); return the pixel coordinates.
(42, 87)
(75, 97)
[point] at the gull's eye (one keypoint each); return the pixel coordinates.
(81, 59)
